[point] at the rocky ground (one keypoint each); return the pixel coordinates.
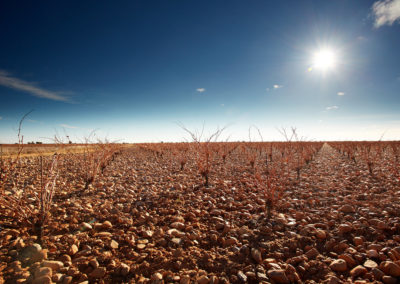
(145, 221)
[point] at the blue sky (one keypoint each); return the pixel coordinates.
(132, 69)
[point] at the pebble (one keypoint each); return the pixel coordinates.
(378, 274)
(230, 242)
(262, 276)
(114, 244)
(312, 253)
(345, 228)
(185, 279)
(178, 225)
(372, 253)
(94, 263)
(43, 271)
(106, 225)
(370, 264)
(358, 241)
(176, 241)
(321, 234)
(358, 270)
(73, 250)
(390, 268)
(349, 260)
(147, 234)
(242, 277)
(86, 227)
(53, 264)
(98, 273)
(124, 269)
(203, 280)
(156, 276)
(67, 280)
(42, 280)
(338, 265)
(389, 280)
(256, 254)
(347, 208)
(278, 276)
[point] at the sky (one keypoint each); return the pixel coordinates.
(133, 71)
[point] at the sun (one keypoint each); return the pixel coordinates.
(324, 60)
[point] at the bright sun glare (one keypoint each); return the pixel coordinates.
(324, 60)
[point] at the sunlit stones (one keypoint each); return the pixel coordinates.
(323, 60)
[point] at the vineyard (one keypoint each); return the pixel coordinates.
(202, 212)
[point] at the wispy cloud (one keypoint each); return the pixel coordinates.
(1, 117)
(8, 81)
(276, 86)
(68, 126)
(340, 93)
(386, 12)
(201, 90)
(331, 108)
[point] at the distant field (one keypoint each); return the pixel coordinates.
(44, 149)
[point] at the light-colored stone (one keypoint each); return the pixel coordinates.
(338, 265)
(86, 227)
(370, 264)
(53, 264)
(114, 244)
(242, 277)
(156, 276)
(73, 249)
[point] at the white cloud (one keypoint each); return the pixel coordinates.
(340, 93)
(386, 12)
(331, 108)
(222, 105)
(68, 126)
(1, 117)
(276, 86)
(14, 83)
(201, 90)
